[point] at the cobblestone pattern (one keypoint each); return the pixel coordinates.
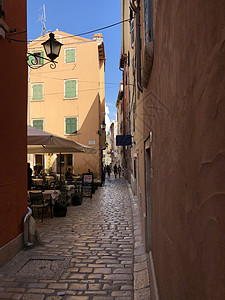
(92, 253)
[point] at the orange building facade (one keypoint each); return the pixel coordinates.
(70, 100)
(13, 171)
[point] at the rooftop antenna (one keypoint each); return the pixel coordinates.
(43, 19)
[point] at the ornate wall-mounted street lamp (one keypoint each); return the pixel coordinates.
(52, 48)
(103, 125)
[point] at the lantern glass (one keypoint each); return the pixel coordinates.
(103, 125)
(52, 47)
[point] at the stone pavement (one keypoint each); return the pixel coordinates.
(95, 252)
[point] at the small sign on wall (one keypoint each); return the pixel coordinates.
(91, 142)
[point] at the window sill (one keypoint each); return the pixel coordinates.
(35, 65)
(70, 98)
(36, 100)
(67, 134)
(4, 25)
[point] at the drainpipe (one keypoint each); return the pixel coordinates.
(26, 228)
(60, 166)
(136, 10)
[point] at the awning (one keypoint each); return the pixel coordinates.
(39, 141)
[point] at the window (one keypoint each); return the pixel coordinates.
(135, 169)
(148, 22)
(36, 59)
(70, 55)
(38, 124)
(71, 125)
(132, 27)
(133, 66)
(37, 91)
(69, 159)
(132, 32)
(71, 89)
(129, 123)
(134, 115)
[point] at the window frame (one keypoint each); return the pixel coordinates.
(32, 94)
(76, 96)
(75, 57)
(39, 119)
(70, 117)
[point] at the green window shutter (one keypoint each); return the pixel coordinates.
(67, 126)
(37, 92)
(70, 55)
(70, 89)
(71, 125)
(74, 125)
(38, 124)
(41, 59)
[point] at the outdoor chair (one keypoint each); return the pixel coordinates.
(38, 202)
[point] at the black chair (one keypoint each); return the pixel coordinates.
(38, 202)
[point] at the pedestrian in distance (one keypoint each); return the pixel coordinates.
(119, 170)
(115, 170)
(108, 170)
(103, 173)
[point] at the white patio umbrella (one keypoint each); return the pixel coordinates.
(39, 141)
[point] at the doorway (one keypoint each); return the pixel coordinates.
(66, 162)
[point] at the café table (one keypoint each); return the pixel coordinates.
(70, 190)
(48, 194)
(50, 179)
(58, 176)
(37, 181)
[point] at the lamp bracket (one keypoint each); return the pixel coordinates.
(34, 62)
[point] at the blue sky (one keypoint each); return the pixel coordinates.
(75, 17)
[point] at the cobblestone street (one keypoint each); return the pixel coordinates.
(95, 252)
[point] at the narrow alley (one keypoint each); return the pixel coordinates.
(95, 252)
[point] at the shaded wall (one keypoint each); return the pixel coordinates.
(186, 109)
(13, 171)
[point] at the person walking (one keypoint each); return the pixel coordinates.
(119, 170)
(103, 173)
(108, 170)
(115, 170)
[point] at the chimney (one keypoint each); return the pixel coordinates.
(98, 37)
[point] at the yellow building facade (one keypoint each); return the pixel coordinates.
(69, 100)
